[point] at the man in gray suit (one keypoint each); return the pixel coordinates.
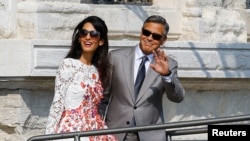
(126, 108)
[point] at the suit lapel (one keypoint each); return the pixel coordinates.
(128, 67)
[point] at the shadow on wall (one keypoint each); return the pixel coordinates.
(227, 58)
(37, 108)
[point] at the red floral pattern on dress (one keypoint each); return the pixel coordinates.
(77, 84)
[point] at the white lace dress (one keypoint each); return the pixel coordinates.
(78, 92)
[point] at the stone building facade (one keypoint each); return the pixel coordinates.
(210, 40)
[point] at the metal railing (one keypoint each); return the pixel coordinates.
(171, 128)
(133, 2)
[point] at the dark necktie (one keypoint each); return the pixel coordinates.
(140, 76)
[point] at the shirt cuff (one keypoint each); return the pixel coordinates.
(167, 78)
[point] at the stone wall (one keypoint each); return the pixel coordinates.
(208, 38)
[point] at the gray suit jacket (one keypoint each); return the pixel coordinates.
(147, 108)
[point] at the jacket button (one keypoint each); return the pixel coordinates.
(135, 107)
(128, 122)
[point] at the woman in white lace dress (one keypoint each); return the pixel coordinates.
(79, 83)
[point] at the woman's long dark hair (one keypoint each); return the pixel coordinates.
(100, 58)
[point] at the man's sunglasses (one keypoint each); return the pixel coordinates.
(155, 36)
(93, 33)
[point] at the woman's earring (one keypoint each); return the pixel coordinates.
(101, 43)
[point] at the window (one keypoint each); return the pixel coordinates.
(134, 2)
(247, 4)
